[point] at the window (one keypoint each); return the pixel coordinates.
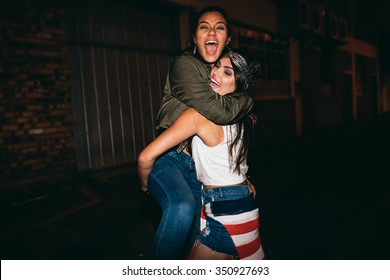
(272, 52)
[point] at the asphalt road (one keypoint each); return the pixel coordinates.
(321, 197)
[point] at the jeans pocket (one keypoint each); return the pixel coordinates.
(233, 207)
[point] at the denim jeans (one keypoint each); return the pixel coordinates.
(174, 185)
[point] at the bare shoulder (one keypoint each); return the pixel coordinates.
(195, 115)
(210, 133)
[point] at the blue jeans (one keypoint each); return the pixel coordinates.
(174, 185)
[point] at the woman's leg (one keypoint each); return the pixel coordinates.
(201, 252)
(168, 184)
(196, 189)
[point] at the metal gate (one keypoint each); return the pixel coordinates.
(120, 54)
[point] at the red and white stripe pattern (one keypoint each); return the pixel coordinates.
(244, 230)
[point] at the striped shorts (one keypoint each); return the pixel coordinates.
(230, 222)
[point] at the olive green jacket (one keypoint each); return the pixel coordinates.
(188, 85)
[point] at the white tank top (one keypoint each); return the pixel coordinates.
(212, 163)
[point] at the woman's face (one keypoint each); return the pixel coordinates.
(211, 36)
(223, 79)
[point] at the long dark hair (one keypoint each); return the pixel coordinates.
(245, 76)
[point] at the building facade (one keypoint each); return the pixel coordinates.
(81, 81)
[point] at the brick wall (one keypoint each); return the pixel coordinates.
(36, 131)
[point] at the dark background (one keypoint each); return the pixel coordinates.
(69, 188)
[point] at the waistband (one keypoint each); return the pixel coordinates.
(229, 190)
(242, 184)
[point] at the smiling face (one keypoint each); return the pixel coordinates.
(223, 79)
(211, 36)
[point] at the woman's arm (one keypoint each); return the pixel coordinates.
(190, 83)
(183, 128)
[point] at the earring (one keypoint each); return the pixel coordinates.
(194, 51)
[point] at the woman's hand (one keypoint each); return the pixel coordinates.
(143, 181)
(144, 187)
(251, 186)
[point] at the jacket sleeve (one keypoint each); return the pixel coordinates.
(190, 83)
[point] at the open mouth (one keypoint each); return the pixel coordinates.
(211, 47)
(214, 84)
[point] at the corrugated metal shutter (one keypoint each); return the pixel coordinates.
(120, 54)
